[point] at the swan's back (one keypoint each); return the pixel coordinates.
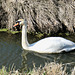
(52, 45)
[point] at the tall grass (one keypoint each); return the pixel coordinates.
(49, 69)
(42, 15)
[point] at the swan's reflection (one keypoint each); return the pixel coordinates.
(29, 58)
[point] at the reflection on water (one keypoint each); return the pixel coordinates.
(30, 58)
(11, 52)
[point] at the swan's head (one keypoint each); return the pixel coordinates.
(20, 22)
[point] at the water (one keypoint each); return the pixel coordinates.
(11, 53)
(10, 50)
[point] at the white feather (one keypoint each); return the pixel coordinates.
(46, 45)
(52, 45)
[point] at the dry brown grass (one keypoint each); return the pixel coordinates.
(52, 69)
(49, 69)
(45, 16)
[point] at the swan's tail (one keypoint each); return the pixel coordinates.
(71, 48)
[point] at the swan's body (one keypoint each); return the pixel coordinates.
(46, 45)
(52, 45)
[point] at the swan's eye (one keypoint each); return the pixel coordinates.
(18, 21)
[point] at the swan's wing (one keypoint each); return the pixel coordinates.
(52, 44)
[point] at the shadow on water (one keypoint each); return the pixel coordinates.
(11, 52)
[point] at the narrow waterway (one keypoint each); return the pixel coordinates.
(11, 53)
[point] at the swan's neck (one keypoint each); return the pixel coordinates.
(25, 43)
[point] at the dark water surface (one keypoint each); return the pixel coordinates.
(11, 53)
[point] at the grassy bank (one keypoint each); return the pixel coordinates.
(42, 15)
(3, 30)
(38, 35)
(49, 69)
(9, 31)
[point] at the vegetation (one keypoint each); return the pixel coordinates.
(49, 69)
(9, 31)
(44, 16)
(47, 16)
(3, 30)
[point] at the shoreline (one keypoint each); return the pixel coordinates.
(9, 31)
(38, 34)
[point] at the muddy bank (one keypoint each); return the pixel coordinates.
(45, 16)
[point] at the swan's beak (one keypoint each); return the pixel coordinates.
(16, 24)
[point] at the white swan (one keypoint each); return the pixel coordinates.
(46, 45)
